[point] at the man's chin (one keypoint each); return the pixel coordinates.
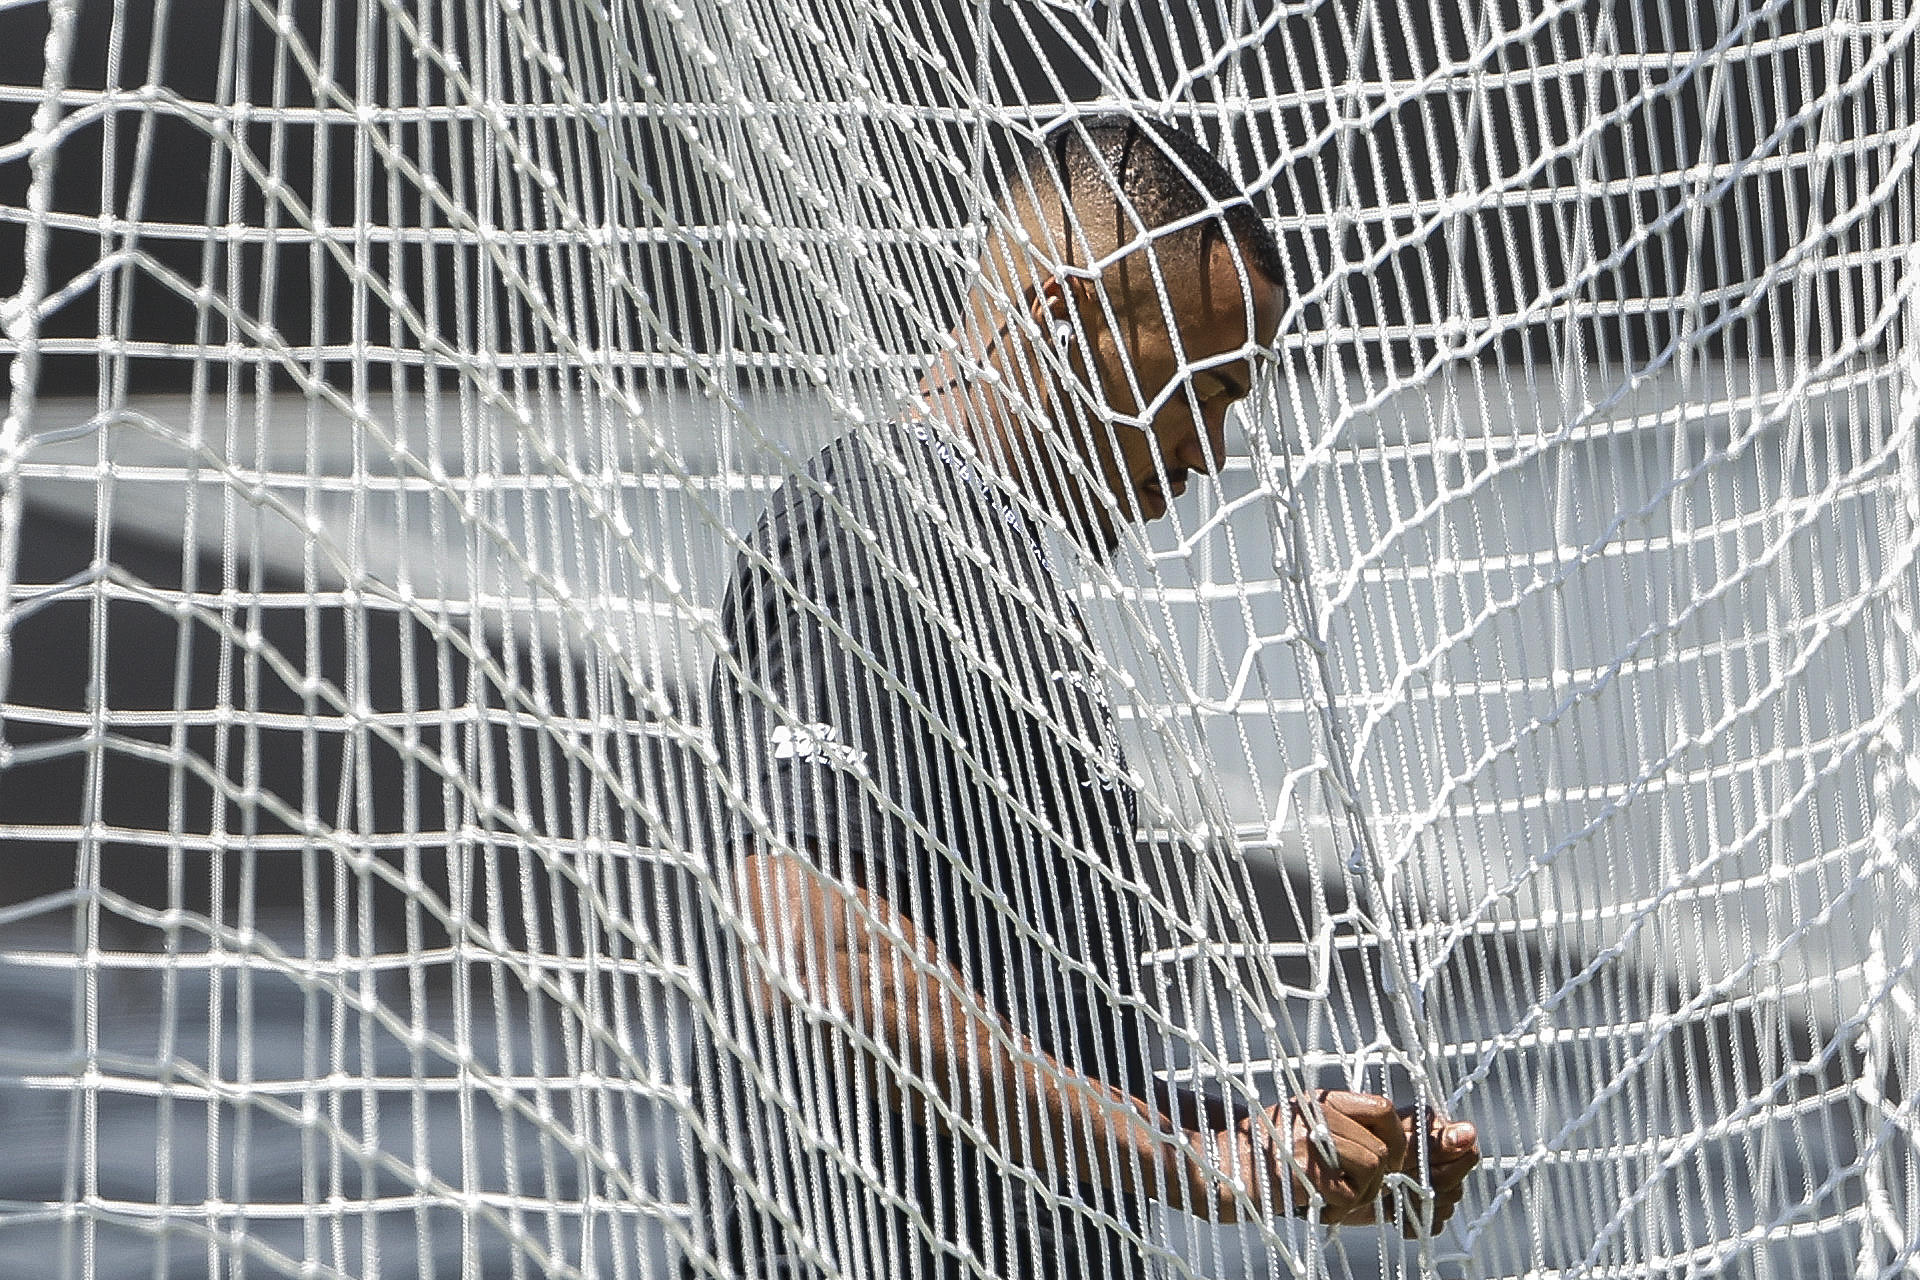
(1150, 502)
(1097, 525)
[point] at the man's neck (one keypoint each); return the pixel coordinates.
(962, 390)
(976, 410)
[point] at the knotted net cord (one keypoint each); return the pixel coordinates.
(1523, 719)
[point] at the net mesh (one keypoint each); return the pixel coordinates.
(1524, 718)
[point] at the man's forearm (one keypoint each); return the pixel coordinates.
(1197, 1111)
(824, 937)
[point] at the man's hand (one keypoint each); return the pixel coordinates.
(1453, 1149)
(1369, 1141)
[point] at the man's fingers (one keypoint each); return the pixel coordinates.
(1345, 1181)
(1363, 1129)
(1429, 1214)
(1357, 1145)
(1366, 1139)
(1446, 1142)
(1440, 1135)
(1452, 1151)
(1454, 1154)
(1456, 1138)
(1412, 1226)
(1374, 1114)
(1344, 1165)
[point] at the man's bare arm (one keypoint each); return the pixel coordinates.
(891, 981)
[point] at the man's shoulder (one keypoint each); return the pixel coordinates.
(840, 492)
(902, 490)
(902, 532)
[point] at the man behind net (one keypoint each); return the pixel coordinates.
(937, 875)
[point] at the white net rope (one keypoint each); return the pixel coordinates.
(1524, 722)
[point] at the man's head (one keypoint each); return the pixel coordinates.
(1140, 282)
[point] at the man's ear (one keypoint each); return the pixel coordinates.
(1051, 302)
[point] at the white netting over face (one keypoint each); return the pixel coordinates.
(402, 698)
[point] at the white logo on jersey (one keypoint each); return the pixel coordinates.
(815, 742)
(1085, 682)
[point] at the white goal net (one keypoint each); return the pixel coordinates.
(1522, 722)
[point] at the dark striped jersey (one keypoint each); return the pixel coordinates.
(911, 703)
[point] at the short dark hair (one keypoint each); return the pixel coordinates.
(1164, 175)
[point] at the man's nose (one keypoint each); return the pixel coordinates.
(1202, 446)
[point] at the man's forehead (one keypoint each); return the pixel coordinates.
(1213, 274)
(1224, 299)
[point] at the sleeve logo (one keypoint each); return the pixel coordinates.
(816, 743)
